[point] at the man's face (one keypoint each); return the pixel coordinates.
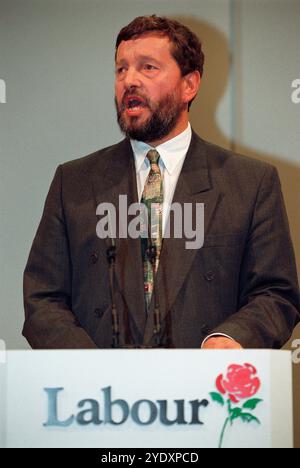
(148, 88)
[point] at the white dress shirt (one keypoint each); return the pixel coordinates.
(172, 155)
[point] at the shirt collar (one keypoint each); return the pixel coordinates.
(172, 152)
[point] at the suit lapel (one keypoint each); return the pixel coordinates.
(116, 176)
(194, 186)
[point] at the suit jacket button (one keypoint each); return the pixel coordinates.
(98, 313)
(209, 276)
(94, 258)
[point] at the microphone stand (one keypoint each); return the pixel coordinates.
(111, 258)
(152, 257)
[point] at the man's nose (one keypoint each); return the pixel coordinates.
(132, 78)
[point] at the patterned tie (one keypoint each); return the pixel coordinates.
(153, 199)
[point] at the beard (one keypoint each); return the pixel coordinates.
(163, 119)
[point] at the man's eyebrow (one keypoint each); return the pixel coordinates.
(149, 58)
(121, 62)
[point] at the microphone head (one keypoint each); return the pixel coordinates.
(152, 253)
(111, 254)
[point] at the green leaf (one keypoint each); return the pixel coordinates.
(252, 404)
(217, 397)
(235, 413)
(247, 417)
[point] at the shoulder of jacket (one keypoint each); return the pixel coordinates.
(229, 159)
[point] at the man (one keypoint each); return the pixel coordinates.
(239, 290)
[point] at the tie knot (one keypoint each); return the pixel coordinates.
(153, 156)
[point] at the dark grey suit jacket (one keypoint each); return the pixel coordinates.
(243, 282)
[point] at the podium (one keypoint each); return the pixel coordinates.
(146, 398)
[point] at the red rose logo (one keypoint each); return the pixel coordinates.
(241, 382)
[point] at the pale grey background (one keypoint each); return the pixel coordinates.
(56, 57)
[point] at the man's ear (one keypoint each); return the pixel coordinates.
(190, 85)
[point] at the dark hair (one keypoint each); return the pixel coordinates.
(186, 47)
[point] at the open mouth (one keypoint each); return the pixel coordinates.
(134, 103)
